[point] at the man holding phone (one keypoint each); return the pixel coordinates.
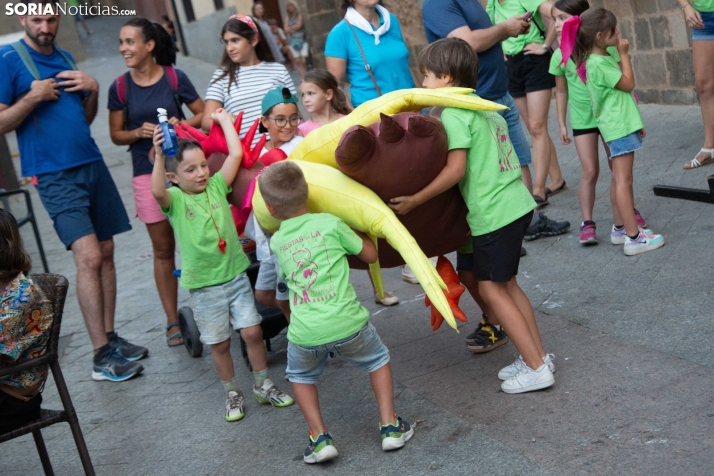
(51, 116)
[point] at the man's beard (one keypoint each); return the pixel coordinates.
(47, 38)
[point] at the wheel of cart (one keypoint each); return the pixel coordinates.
(273, 320)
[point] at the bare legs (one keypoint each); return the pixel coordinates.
(534, 109)
(300, 64)
(586, 145)
(268, 298)
(221, 352)
(164, 248)
(702, 54)
(96, 286)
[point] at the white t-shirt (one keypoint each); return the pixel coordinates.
(288, 147)
(247, 92)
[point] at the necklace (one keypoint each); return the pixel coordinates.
(221, 241)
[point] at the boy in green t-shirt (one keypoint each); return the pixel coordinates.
(482, 162)
(213, 260)
(326, 316)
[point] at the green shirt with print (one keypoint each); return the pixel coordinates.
(500, 12)
(705, 6)
(311, 251)
(581, 112)
(202, 262)
(492, 186)
(614, 110)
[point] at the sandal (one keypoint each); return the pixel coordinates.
(389, 299)
(176, 335)
(549, 192)
(540, 201)
(695, 163)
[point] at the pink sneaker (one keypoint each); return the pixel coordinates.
(640, 220)
(587, 234)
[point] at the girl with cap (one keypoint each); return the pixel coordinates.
(248, 71)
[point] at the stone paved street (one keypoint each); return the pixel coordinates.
(633, 338)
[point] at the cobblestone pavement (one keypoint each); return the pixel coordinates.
(633, 339)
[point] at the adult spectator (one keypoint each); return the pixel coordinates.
(529, 82)
(51, 116)
(149, 54)
(297, 40)
(259, 17)
(700, 16)
(282, 40)
(467, 19)
(368, 35)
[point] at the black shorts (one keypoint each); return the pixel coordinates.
(497, 254)
(464, 261)
(528, 74)
(582, 132)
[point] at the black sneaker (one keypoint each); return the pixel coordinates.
(546, 227)
(471, 337)
(127, 350)
(487, 338)
(115, 368)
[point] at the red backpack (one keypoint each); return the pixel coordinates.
(122, 86)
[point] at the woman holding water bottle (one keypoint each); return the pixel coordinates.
(151, 83)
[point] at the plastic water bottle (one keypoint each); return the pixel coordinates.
(170, 145)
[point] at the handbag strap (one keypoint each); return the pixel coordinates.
(364, 58)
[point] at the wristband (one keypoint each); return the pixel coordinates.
(686, 4)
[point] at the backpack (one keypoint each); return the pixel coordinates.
(122, 86)
(29, 63)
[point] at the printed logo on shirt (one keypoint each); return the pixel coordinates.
(306, 272)
(190, 214)
(505, 148)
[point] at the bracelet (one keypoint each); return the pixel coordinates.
(686, 4)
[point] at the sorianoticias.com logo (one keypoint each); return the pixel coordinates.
(55, 8)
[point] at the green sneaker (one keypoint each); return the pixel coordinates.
(395, 435)
(269, 393)
(320, 449)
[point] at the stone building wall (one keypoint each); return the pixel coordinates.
(660, 41)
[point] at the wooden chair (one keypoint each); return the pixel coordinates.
(54, 287)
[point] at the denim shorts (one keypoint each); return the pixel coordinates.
(515, 131)
(625, 145)
(216, 308)
(268, 279)
(706, 33)
(364, 349)
(82, 201)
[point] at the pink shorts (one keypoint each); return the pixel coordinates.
(147, 209)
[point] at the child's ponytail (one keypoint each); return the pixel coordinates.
(324, 80)
(592, 22)
(164, 53)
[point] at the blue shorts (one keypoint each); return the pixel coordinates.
(706, 33)
(515, 131)
(81, 201)
(625, 145)
(364, 349)
(217, 308)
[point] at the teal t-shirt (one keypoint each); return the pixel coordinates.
(614, 110)
(202, 263)
(581, 112)
(389, 59)
(705, 6)
(311, 251)
(492, 186)
(500, 12)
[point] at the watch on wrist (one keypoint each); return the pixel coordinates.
(546, 47)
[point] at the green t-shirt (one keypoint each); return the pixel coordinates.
(202, 263)
(311, 251)
(581, 112)
(500, 12)
(614, 110)
(704, 5)
(492, 186)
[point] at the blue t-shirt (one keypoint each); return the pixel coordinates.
(55, 136)
(143, 102)
(389, 59)
(441, 17)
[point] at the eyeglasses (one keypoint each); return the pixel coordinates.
(283, 121)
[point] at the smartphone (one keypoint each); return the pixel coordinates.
(528, 17)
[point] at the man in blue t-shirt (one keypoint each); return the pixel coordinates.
(51, 117)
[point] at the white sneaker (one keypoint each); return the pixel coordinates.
(519, 365)
(529, 380)
(642, 244)
(269, 393)
(234, 406)
(617, 237)
(408, 275)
